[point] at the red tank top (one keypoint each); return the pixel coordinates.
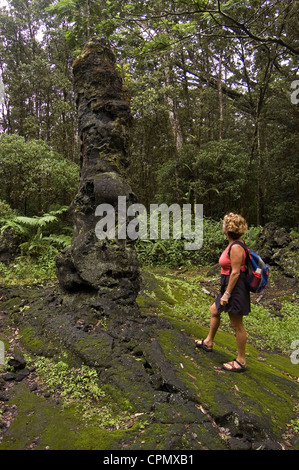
(225, 262)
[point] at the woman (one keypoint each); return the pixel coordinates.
(234, 297)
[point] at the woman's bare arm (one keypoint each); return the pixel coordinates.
(236, 257)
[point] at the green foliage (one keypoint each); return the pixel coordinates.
(221, 170)
(31, 225)
(182, 298)
(37, 78)
(73, 384)
(162, 253)
(214, 177)
(268, 330)
(41, 240)
(26, 270)
(82, 15)
(214, 241)
(80, 387)
(294, 423)
(252, 235)
(5, 210)
(33, 177)
(208, 99)
(171, 252)
(22, 225)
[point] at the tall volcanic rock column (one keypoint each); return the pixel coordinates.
(107, 266)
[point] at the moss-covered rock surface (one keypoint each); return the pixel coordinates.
(136, 381)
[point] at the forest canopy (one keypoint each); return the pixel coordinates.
(211, 85)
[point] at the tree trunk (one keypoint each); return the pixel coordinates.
(175, 126)
(173, 113)
(102, 263)
(220, 95)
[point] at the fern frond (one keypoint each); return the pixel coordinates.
(62, 241)
(36, 221)
(14, 226)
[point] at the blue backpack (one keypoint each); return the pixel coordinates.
(257, 271)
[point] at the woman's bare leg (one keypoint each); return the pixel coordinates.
(241, 337)
(214, 325)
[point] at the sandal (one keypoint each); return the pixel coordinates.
(233, 368)
(201, 344)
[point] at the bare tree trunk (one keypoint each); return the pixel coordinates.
(88, 17)
(259, 190)
(220, 95)
(173, 114)
(256, 151)
(175, 126)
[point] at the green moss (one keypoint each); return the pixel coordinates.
(4, 341)
(289, 262)
(117, 396)
(161, 436)
(263, 392)
(47, 425)
(95, 350)
(179, 297)
(282, 364)
(30, 341)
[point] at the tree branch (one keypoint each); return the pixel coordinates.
(253, 36)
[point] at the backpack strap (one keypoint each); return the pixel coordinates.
(242, 245)
(246, 252)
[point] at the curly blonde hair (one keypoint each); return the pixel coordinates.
(235, 225)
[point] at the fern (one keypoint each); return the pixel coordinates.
(31, 229)
(36, 221)
(14, 225)
(19, 224)
(61, 241)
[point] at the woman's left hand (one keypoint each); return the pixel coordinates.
(224, 299)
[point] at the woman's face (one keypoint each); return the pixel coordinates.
(224, 228)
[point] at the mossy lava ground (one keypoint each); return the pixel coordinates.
(134, 380)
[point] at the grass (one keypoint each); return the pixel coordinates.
(181, 295)
(79, 388)
(27, 270)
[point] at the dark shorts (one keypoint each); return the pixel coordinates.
(239, 301)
